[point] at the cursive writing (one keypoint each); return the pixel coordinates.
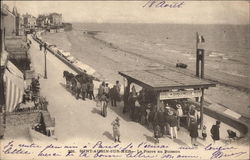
(140, 154)
(219, 151)
(163, 4)
(146, 145)
(46, 152)
(100, 154)
(10, 149)
(99, 144)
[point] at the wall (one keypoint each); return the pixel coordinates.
(10, 24)
(20, 118)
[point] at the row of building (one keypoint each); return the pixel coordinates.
(17, 24)
(16, 78)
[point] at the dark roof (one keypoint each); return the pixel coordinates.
(162, 79)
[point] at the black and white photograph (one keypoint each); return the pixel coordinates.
(146, 79)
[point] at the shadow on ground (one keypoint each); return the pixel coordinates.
(108, 135)
(150, 138)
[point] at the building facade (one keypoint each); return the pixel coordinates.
(29, 21)
(42, 21)
(9, 21)
(19, 22)
(55, 19)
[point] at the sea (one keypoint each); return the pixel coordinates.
(229, 43)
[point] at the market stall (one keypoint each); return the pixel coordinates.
(167, 85)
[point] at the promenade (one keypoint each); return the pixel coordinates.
(78, 120)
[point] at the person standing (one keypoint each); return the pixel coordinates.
(193, 131)
(118, 88)
(192, 113)
(91, 90)
(41, 46)
(161, 120)
(215, 131)
(173, 124)
(106, 90)
(113, 95)
(179, 115)
(84, 88)
(157, 131)
(45, 47)
(116, 131)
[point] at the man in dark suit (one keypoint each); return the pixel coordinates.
(215, 131)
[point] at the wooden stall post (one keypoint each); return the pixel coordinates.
(202, 63)
(158, 100)
(201, 107)
(197, 63)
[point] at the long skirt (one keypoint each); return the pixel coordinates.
(116, 132)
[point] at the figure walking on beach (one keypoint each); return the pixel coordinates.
(116, 131)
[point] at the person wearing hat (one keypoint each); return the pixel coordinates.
(116, 131)
(173, 124)
(179, 114)
(192, 113)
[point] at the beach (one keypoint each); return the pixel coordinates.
(111, 48)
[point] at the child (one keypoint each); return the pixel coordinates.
(204, 132)
(157, 131)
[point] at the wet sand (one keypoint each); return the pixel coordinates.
(108, 55)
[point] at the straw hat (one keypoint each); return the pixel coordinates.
(178, 106)
(168, 108)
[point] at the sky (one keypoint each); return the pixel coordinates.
(191, 12)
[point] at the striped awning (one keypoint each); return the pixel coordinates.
(14, 86)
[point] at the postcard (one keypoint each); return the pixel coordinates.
(153, 79)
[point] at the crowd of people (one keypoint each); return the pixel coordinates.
(80, 85)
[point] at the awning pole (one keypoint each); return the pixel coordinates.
(201, 106)
(158, 100)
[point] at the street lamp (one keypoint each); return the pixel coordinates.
(45, 63)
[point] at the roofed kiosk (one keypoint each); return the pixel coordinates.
(168, 84)
(163, 79)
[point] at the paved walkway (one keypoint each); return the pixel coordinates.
(78, 120)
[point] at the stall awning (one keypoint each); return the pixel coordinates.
(14, 85)
(162, 79)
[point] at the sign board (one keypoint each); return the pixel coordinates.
(180, 94)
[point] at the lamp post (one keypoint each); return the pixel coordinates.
(45, 62)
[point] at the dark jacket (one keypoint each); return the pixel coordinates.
(215, 131)
(90, 87)
(113, 93)
(84, 87)
(160, 117)
(193, 129)
(172, 120)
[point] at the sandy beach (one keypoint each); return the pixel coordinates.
(109, 53)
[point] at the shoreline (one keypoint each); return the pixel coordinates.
(92, 56)
(189, 72)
